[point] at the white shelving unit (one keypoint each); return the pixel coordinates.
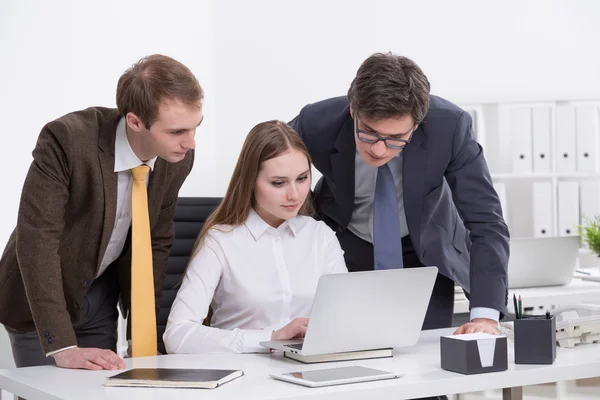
(493, 130)
(511, 157)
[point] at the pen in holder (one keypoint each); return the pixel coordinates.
(535, 339)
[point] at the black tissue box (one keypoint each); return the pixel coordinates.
(535, 340)
(474, 353)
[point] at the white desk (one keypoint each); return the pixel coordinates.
(578, 291)
(420, 363)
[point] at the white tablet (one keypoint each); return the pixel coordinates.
(335, 376)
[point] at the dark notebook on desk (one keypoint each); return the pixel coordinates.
(173, 378)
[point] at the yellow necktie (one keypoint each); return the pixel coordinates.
(143, 315)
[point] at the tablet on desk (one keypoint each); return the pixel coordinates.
(335, 376)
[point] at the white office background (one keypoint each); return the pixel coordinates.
(265, 59)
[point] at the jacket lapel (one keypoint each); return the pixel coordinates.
(106, 158)
(413, 172)
(156, 184)
(342, 165)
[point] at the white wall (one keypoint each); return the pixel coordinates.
(265, 59)
(273, 57)
(64, 55)
(496, 50)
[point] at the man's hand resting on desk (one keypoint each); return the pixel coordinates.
(296, 329)
(88, 358)
(484, 325)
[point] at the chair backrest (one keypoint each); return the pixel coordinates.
(190, 215)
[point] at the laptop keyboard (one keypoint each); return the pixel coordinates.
(297, 346)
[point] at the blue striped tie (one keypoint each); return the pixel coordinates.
(387, 240)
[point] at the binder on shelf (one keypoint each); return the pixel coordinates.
(587, 138)
(521, 139)
(542, 209)
(541, 121)
(473, 113)
(565, 139)
(589, 197)
(500, 188)
(568, 208)
(476, 114)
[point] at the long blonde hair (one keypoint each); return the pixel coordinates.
(265, 141)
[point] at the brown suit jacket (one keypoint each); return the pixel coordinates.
(65, 220)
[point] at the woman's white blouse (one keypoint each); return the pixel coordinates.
(256, 279)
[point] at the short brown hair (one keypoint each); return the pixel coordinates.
(152, 80)
(389, 86)
(265, 141)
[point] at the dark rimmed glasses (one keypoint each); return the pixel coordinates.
(390, 142)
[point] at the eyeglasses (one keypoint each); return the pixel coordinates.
(372, 138)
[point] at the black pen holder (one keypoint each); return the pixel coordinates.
(535, 340)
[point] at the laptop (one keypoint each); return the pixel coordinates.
(544, 261)
(361, 311)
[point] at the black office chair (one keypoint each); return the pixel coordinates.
(190, 215)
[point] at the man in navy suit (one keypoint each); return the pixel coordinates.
(405, 184)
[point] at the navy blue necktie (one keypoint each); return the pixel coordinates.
(387, 240)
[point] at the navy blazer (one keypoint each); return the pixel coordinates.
(453, 212)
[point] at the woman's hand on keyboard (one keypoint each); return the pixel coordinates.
(296, 329)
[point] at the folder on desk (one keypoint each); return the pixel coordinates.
(587, 138)
(521, 139)
(565, 139)
(542, 209)
(541, 120)
(173, 378)
(568, 208)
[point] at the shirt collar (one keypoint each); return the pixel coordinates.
(257, 226)
(125, 158)
(397, 158)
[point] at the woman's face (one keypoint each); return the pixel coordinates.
(281, 187)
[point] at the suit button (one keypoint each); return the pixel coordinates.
(85, 283)
(49, 340)
(46, 334)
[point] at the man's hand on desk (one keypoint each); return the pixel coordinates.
(88, 358)
(296, 329)
(484, 325)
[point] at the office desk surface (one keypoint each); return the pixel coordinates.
(420, 364)
(578, 291)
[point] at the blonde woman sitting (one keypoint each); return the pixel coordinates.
(258, 259)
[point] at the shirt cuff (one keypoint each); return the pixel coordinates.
(58, 351)
(484, 312)
(252, 338)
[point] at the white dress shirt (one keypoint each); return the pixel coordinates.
(365, 177)
(256, 279)
(125, 159)
(361, 223)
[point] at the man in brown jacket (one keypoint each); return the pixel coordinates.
(68, 262)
